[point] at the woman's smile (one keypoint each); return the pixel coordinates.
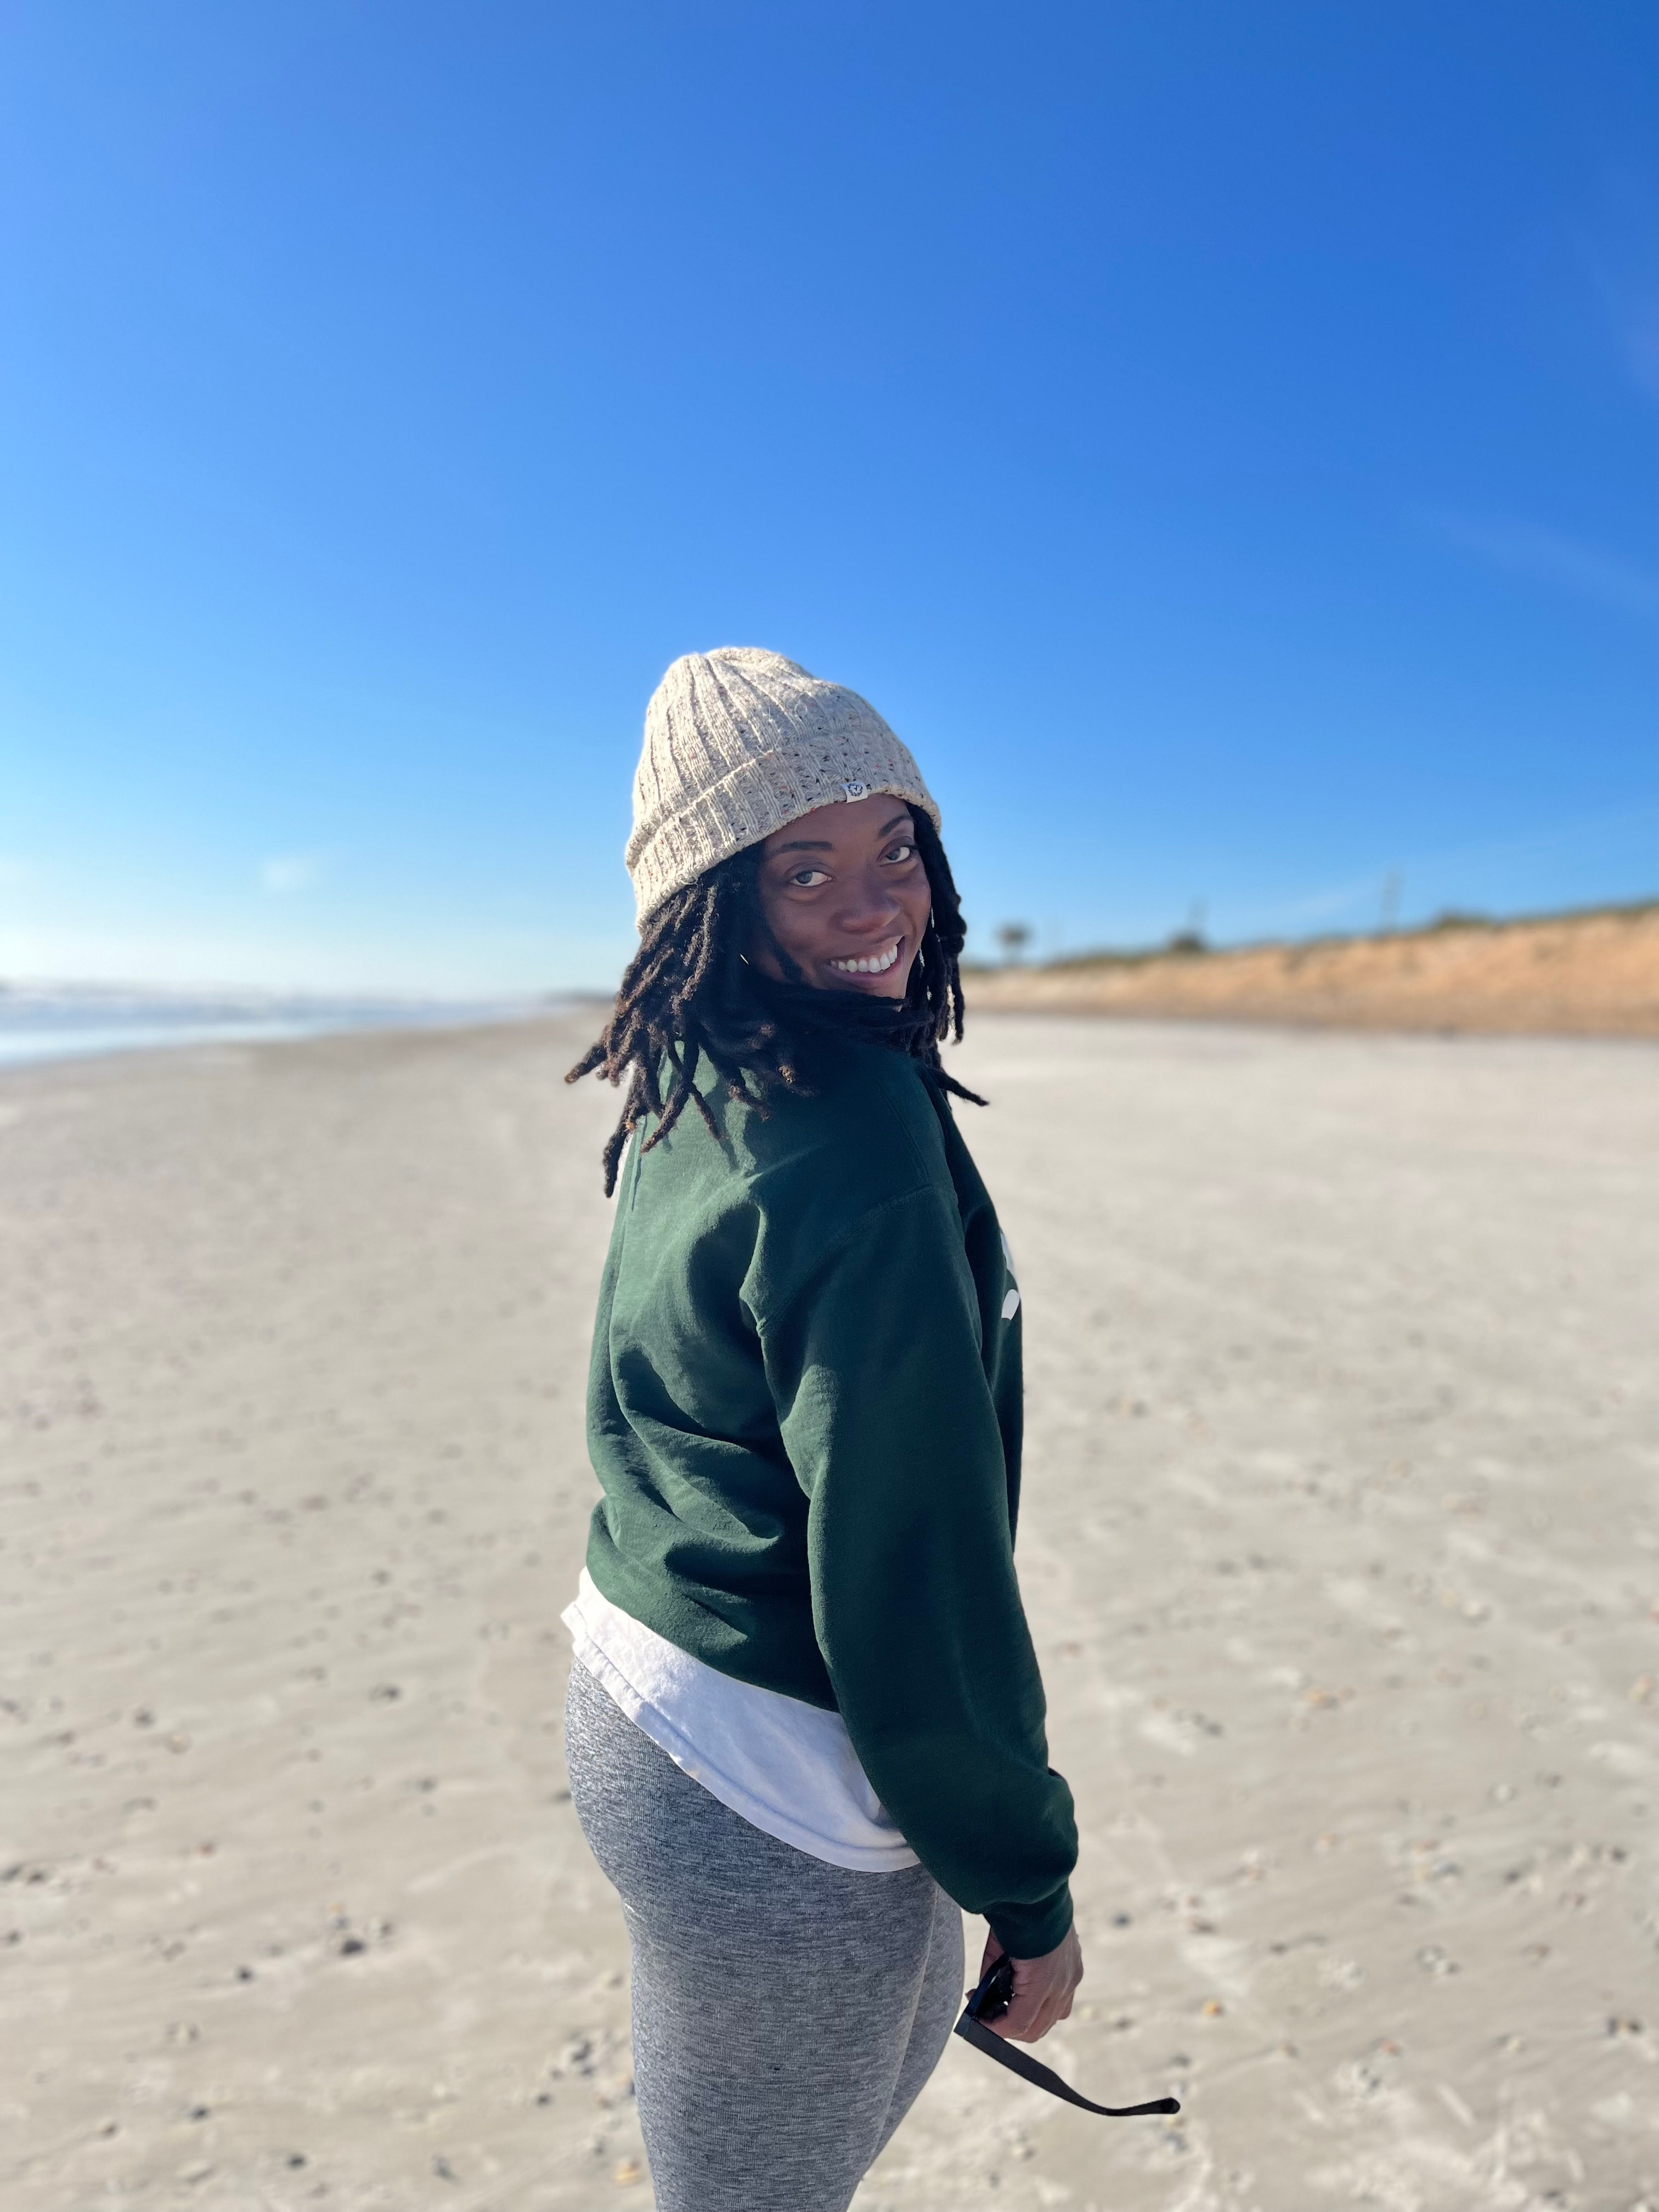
(868, 963)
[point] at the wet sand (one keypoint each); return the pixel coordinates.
(1337, 1545)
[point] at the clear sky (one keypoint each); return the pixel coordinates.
(1218, 437)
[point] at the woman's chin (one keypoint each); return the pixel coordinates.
(892, 985)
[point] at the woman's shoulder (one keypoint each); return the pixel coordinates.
(833, 1176)
(863, 1134)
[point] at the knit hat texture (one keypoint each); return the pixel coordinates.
(740, 742)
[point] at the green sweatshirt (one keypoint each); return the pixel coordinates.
(803, 1409)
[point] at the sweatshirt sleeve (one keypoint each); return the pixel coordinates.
(876, 1369)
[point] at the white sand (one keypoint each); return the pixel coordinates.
(1336, 1545)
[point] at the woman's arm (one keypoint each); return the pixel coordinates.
(876, 1369)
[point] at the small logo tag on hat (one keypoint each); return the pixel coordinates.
(856, 790)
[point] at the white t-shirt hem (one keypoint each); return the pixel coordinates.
(766, 1728)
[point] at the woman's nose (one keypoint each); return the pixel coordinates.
(869, 904)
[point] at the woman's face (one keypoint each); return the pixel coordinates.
(845, 894)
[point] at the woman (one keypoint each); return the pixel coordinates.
(806, 1724)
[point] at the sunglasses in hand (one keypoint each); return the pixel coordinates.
(988, 2002)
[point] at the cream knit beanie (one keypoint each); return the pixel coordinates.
(738, 744)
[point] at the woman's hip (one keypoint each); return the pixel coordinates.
(785, 2011)
(671, 1848)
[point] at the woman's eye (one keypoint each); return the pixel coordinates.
(809, 879)
(902, 851)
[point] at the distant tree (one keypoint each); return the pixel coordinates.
(1014, 937)
(1191, 939)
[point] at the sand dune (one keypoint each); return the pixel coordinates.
(1591, 974)
(1336, 1547)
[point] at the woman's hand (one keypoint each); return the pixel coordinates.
(1043, 1988)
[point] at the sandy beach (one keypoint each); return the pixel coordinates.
(1337, 1546)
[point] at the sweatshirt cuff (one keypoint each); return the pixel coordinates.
(1031, 1931)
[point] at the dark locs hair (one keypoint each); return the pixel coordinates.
(690, 995)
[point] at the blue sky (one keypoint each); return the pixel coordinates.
(1218, 438)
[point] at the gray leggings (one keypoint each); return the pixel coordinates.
(786, 2012)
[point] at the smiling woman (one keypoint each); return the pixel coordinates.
(805, 1725)
(846, 899)
(761, 873)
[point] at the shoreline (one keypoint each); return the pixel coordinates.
(48, 1045)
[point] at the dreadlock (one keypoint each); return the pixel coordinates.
(690, 994)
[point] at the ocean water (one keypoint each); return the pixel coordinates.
(44, 1024)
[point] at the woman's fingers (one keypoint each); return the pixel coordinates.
(1042, 2018)
(1021, 2021)
(1042, 1991)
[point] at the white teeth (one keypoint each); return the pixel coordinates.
(877, 965)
